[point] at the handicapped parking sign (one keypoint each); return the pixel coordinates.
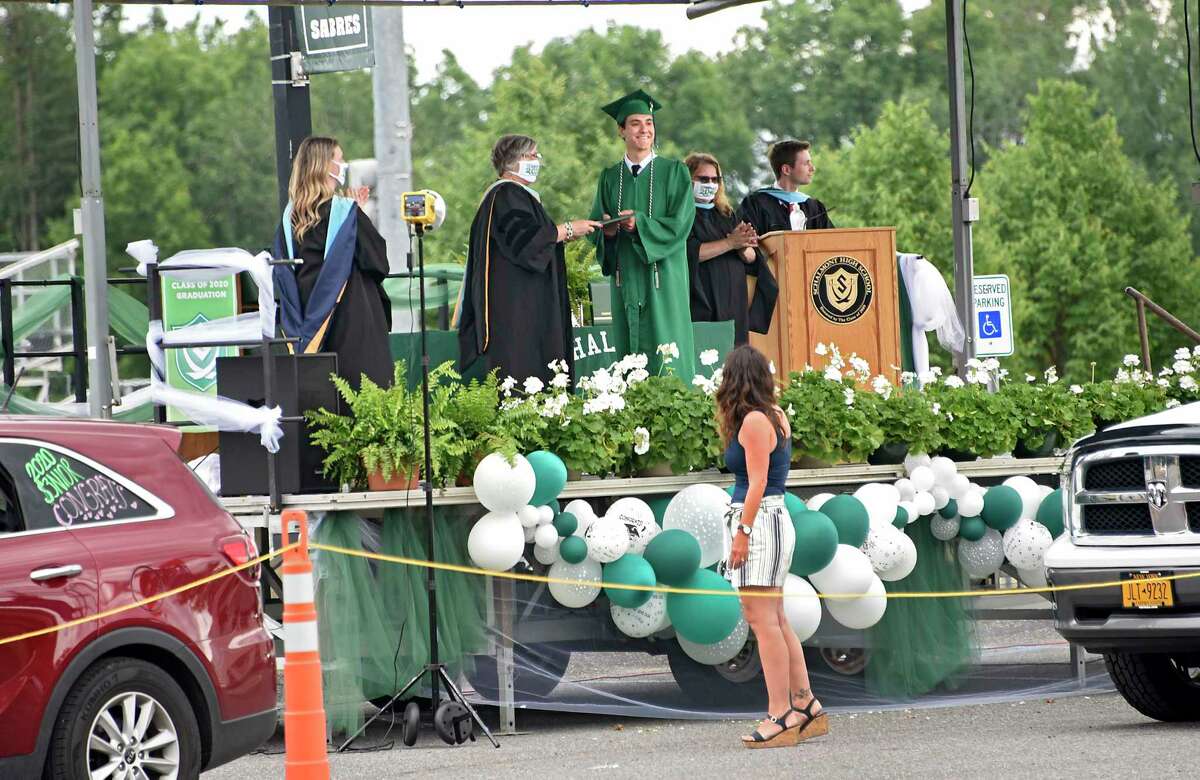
(993, 316)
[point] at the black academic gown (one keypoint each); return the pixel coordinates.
(719, 283)
(358, 331)
(515, 313)
(767, 213)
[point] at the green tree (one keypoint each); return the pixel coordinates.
(1073, 221)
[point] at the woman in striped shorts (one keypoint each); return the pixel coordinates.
(758, 452)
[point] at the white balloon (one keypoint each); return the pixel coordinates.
(959, 486)
(584, 589)
(1025, 544)
(862, 612)
(913, 460)
(970, 505)
(607, 539)
(496, 541)
(718, 652)
(650, 618)
(501, 487)
(545, 536)
(883, 547)
(941, 497)
(1031, 496)
(1034, 578)
(905, 486)
(527, 532)
(700, 510)
(801, 606)
(639, 521)
(546, 555)
(910, 511)
(583, 512)
(982, 558)
(944, 470)
(815, 503)
(905, 564)
(880, 501)
(528, 515)
(922, 478)
(944, 528)
(925, 503)
(849, 572)
(545, 515)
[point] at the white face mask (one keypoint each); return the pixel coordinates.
(340, 176)
(705, 192)
(529, 169)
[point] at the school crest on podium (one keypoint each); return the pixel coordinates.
(842, 289)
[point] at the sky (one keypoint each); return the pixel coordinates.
(483, 39)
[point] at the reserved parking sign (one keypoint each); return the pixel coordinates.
(993, 316)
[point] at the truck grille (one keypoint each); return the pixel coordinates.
(1118, 519)
(1122, 474)
(1193, 515)
(1189, 472)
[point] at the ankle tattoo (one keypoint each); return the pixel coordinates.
(802, 693)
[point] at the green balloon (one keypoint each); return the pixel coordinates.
(901, 518)
(972, 528)
(659, 506)
(850, 517)
(704, 619)
(674, 555)
(550, 474)
(794, 504)
(730, 490)
(566, 523)
(1050, 513)
(629, 569)
(816, 542)
(572, 549)
(1001, 507)
(555, 506)
(949, 510)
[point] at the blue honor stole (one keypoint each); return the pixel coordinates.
(784, 196)
(310, 322)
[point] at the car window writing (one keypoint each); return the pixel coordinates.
(10, 509)
(55, 489)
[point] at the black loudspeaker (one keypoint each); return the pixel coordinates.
(301, 383)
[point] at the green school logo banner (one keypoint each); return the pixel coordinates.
(335, 37)
(186, 303)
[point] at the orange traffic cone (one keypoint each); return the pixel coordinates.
(303, 702)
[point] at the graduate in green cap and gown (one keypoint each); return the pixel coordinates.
(645, 256)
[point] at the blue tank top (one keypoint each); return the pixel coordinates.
(777, 467)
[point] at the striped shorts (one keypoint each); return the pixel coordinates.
(771, 545)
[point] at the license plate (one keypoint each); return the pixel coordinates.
(1139, 591)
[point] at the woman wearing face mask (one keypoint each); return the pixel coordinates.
(515, 314)
(721, 251)
(333, 301)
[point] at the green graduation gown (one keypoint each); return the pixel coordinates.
(649, 308)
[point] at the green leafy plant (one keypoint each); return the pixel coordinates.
(1048, 410)
(906, 416)
(828, 421)
(1117, 400)
(680, 422)
(973, 420)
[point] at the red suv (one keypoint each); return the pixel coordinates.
(96, 515)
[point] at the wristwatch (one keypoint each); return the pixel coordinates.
(746, 529)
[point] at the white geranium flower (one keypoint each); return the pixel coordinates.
(1196, 351)
(937, 371)
(668, 351)
(936, 408)
(1183, 353)
(882, 386)
(859, 365)
(928, 377)
(704, 383)
(1187, 383)
(991, 364)
(709, 357)
(1164, 371)
(848, 394)
(907, 377)
(1002, 373)
(533, 385)
(616, 403)
(602, 380)
(1122, 376)
(833, 374)
(1129, 361)
(716, 377)
(637, 375)
(771, 366)
(953, 382)
(1076, 390)
(974, 363)
(791, 411)
(1051, 375)
(1171, 404)
(1182, 367)
(1164, 383)
(1030, 378)
(821, 348)
(506, 387)
(561, 381)
(641, 440)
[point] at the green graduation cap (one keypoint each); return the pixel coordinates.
(636, 102)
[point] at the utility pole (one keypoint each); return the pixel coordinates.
(393, 131)
(293, 111)
(95, 259)
(963, 210)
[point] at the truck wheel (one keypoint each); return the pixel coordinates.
(1162, 687)
(737, 681)
(536, 673)
(125, 717)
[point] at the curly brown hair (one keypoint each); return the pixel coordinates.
(746, 386)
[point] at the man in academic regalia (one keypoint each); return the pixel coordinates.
(783, 206)
(645, 255)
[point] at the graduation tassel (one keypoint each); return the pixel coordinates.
(656, 276)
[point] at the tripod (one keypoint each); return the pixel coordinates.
(436, 670)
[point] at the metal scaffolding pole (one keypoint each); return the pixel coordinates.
(293, 112)
(962, 210)
(393, 131)
(95, 262)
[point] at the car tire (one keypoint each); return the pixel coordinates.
(110, 686)
(738, 682)
(536, 673)
(1159, 686)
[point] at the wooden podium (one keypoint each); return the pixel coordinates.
(835, 287)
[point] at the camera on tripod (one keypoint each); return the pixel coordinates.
(423, 209)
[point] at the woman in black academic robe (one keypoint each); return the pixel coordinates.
(515, 314)
(721, 251)
(361, 318)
